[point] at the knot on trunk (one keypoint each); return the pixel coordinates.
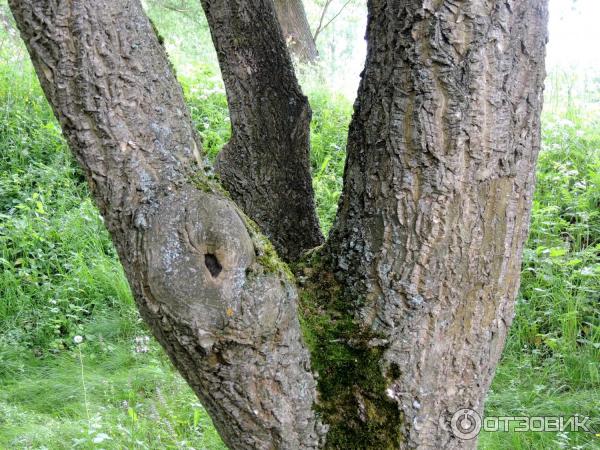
(204, 269)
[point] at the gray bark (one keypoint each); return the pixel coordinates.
(407, 306)
(296, 30)
(265, 167)
(437, 196)
(198, 271)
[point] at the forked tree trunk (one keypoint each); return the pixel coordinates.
(296, 30)
(406, 308)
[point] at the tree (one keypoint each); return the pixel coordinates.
(290, 14)
(296, 30)
(406, 306)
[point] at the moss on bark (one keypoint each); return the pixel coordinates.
(347, 359)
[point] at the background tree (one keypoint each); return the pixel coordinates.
(405, 309)
(290, 14)
(296, 30)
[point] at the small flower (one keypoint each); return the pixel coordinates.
(100, 437)
(587, 271)
(78, 339)
(141, 344)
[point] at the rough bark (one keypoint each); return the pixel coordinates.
(437, 197)
(406, 308)
(209, 286)
(266, 165)
(296, 30)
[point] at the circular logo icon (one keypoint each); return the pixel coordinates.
(466, 424)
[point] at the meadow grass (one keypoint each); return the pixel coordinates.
(60, 278)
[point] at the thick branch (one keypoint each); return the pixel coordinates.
(437, 196)
(266, 165)
(208, 285)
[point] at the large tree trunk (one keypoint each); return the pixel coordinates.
(437, 197)
(266, 166)
(296, 30)
(405, 309)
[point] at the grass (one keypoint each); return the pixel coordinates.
(135, 400)
(60, 279)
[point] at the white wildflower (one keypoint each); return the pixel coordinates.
(141, 344)
(78, 339)
(100, 437)
(587, 271)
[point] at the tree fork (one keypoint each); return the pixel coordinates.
(407, 306)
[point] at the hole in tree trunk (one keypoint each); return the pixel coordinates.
(212, 264)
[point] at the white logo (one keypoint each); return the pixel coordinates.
(466, 424)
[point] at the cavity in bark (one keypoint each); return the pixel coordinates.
(213, 265)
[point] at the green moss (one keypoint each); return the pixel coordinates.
(205, 184)
(209, 184)
(352, 398)
(268, 257)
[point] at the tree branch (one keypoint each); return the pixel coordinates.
(323, 12)
(320, 29)
(266, 165)
(210, 287)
